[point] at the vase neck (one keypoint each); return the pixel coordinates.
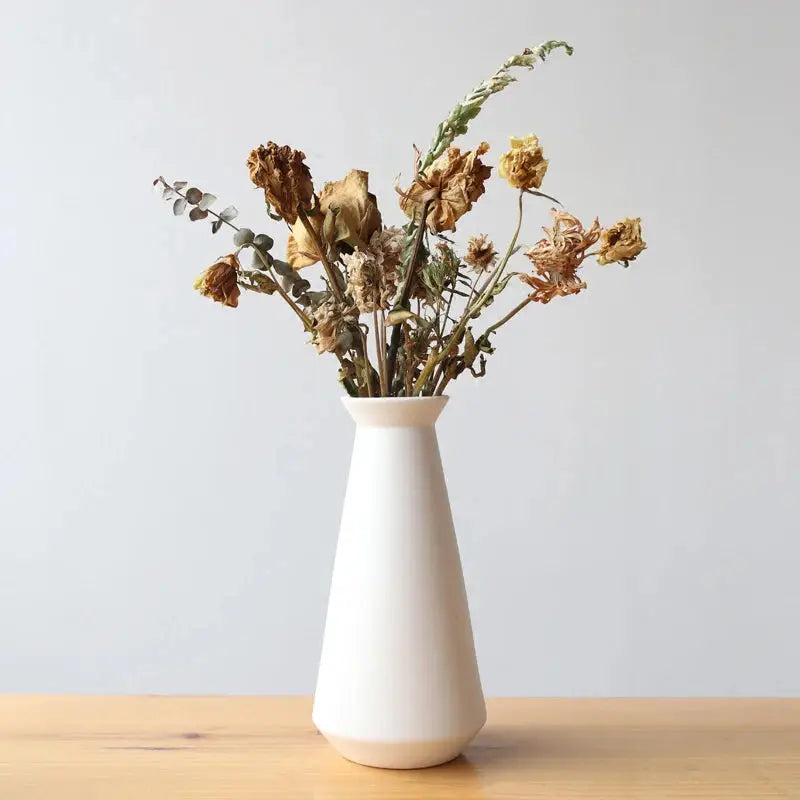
(395, 412)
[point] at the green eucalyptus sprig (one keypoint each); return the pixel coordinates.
(457, 122)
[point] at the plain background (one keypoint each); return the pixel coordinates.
(625, 479)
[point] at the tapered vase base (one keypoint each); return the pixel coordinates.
(399, 755)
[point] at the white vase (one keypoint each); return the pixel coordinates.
(398, 683)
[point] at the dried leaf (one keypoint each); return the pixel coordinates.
(243, 236)
(193, 196)
(470, 349)
(229, 213)
(206, 201)
(179, 206)
(197, 213)
(399, 315)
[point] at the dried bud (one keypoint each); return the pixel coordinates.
(331, 330)
(220, 281)
(480, 252)
(454, 181)
(373, 273)
(621, 242)
(524, 165)
(283, 175)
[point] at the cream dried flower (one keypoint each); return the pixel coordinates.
(454, 181)
(283, 175)
(220, 281)
(558, 257)
(621, 242)
(524, 165)
(348, 212)
(373, 273)
(480, 252)
(332, 333)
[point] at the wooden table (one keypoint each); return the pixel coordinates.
(167, 748)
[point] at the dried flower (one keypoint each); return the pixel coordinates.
(347, 213)
(558, 257)
(220, 281)
(331, 330)
(373, 274)
(454, 181)
(524, 165)
(621, 242)
(480, 252)
(283, 175)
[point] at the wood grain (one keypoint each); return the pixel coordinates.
(137, 748)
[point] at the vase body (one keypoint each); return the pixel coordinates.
(398, 683)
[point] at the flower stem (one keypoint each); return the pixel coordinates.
(329, 269)
(380, 354)
(514, 311)
(304, 318)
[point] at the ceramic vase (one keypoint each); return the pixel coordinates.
(398, 683)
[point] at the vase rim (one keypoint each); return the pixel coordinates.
(389, 412)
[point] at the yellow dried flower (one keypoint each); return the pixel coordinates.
(558, 257)
(283, 175)
(524, 165)
(621, 242)
(347, 212)
(220, 281)
(454, 181)
(480, 252)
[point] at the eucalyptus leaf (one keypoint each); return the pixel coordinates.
(263, 242)
(216, 225)
(168, 193)
(299, 287)
(197, 213)
(194, 196)
(206, 201)
(229, 213)
(243, 236)
(180, 184)
(179, 206)
(282, 268)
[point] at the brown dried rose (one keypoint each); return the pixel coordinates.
(621, 242)
(283, 175)
(454, 181)
(480, 252)
(524, 165)
(347, 213)
(558, 257)
(220, 281)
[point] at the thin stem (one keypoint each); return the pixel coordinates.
(405, 294)
(514, 311)
(308, 324)
(380, 356)
(479, 303)
(367, 365)
(329, 269)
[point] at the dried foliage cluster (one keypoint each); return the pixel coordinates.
(397, 306)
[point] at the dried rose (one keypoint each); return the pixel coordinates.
(220, 281)
(621, 242)
(480, 252)
(454, 181)
(558, 257)
(373, 273)
(347, 213)
(283, 175)
(524, 165)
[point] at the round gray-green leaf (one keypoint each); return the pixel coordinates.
(229, 213)
(180, 184)
(243, 236)
(206, 201)
(179, 206)
(263, 242)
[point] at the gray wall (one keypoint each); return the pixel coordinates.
(624, 481)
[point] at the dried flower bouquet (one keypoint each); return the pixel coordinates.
(398, 306)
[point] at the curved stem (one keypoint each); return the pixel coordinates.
(514, 311)
(323, 257)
